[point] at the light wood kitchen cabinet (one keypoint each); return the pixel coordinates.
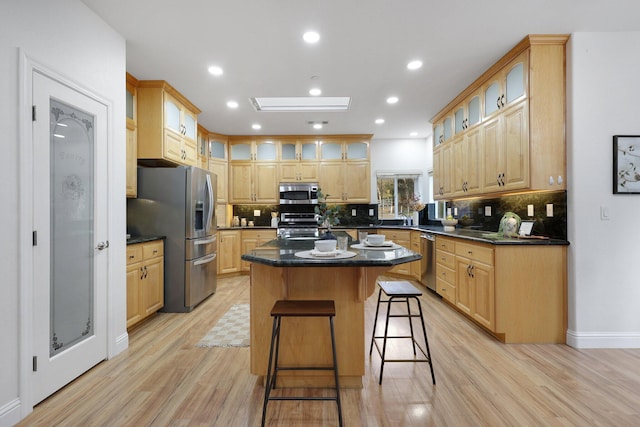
(443, 171)
(522, 126)
(228, 251)
(344, 169)
(203, 148)
(467, 158)
(474, 282)
(402, 238)
(251, 239)
(516, 292)
(167, 125)
(298, 160)
(145, 280)
(219, 165)
(132, 136)
(253, 172)
(446, 268)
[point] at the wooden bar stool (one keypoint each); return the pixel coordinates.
(299, 308)
(400, 291)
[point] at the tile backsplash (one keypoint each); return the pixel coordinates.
(553, 226)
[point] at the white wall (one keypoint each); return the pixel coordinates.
(392, 155)
(604, 281)
(65, 36)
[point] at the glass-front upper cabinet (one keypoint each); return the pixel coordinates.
(473, 110)
(262, 150)
(508, 86)
(293, 151)
(357, 150)
(217, 149)
(265, 151)
(447, 129)
(240, 150)
(331, 150)
(459, 120)
(171, 114)
(438, 136)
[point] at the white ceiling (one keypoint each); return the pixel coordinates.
(363, 51)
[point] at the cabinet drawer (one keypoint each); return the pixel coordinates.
(445, 273)
(446, 258)
(259, 234)
(134, 254)
(445, 244)
(447, 291)
(153, 249)
(396, 235)
(475, 252)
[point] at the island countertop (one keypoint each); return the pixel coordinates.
(281, 253)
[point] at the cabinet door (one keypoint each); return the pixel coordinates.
(332, 181)
(459, 120)
(288, 151)
(228, 251)
(438, 135)
(483, 295)
(248, 244)
(473, 166)
(516, 147)
(463, 285)
(173, 149)
(493, 154)
(219, 168)
(358, 150)
(190, 123)
(516, 79)
(308, 172)
(240, 179)
(265, 183)
(308, 151)
(459, 165)
(492, 93)
(330, 150)
(265, 151)
(357, 182)
(447, 129)
(473, 111)
(189, 152)
(446, 164)
(240, 151)
(152, 286)
(132, 162)
(289, 172)
(172, 113)
(134, 274)
(218, 150)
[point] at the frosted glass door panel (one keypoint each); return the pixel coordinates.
(331, 151)
(491, 95)
(190, 126)
(437, 134)
(171, 116)
(241, 152)
(357, 151)
(217, 150)
(446, 131)
(288, 151)
(459, 120)
(72, 225)
(515, 83)
(474, 110)
(266, 151)
(129, 105)
(309, 151)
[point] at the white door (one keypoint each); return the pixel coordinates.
(70, 223)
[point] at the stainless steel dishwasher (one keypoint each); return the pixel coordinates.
(428, 251)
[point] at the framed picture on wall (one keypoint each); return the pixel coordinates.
(626, 164)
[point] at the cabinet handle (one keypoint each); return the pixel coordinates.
(498, 103)
(502, 99)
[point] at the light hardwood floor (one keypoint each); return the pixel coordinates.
(163, 379)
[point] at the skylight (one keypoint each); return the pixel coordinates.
(302, 103)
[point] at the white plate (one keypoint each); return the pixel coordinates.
(376, 248)
(388, 243)
(334, 254)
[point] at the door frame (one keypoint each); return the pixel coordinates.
(27, 65)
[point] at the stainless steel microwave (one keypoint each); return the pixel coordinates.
(298, 193)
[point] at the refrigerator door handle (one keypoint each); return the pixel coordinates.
(206, 260)
(210, 191)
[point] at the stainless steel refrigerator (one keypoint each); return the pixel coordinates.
(179, 203)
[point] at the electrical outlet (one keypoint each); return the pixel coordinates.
(455, 211)
(529, 210)
(353, 212)
(549, 209)
(256, 212)
(487, 211)
(370, 212)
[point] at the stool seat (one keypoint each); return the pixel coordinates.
(303, 308)
(399, 288)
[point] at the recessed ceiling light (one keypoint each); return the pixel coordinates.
(315, 92)
(379, 121)
(392, 100)
(317, 125)
(413, 134)
(215, 70)
(311, 37)
(232, 104)
(256, 126)
(414, 65)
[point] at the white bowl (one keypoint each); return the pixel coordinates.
(325, 245)
(375, 239)
(449, 222)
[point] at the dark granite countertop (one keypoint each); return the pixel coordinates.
(281, 253)
(141, 239)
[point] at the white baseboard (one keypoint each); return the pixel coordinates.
(603, 339)
(122, 343)
(10, 413)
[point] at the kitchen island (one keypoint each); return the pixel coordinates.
(278, 273)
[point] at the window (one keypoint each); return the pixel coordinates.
(395, 190)
(439, 206)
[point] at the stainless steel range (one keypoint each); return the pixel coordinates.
(297, 215)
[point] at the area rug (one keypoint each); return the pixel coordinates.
(232, 330)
